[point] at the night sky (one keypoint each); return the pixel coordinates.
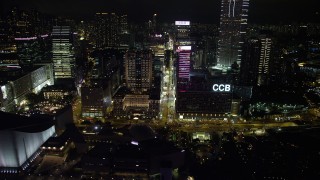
(205, 11)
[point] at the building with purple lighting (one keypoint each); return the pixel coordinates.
(183, 67)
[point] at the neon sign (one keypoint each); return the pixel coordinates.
(221, 87)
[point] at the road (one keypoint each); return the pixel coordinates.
(168, 93)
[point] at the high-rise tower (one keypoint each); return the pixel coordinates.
(183, 49)
(62, 53)
(250, 63)
(255, 69)
(138, 70)
(233, 23)
(183, 33)
(263, 72)
(183, 67)
(106, 30)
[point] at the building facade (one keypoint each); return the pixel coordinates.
(183, 67)
(95, 99)
(183, 33)
(204, 105)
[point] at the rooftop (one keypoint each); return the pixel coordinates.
(24, 123)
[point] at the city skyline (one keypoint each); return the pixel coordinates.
(262, 11)
(159, 90)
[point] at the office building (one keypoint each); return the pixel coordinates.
(95, 98)
(105, 62)
(183, 49)
(204, 105)
(138, 70)
(249, 65)
(124, 36)
(255, 67)
(143, 95)
(107, 29)
(182, 33)
(62, 53)
(31, 50)
(263, 70)
(233, 23)
(205, 97)
(183, 67)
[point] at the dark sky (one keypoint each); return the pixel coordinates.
(207, 11)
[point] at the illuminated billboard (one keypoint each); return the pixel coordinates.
(182, 23)
(181, 48)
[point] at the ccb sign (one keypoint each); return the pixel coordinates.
(221, 87)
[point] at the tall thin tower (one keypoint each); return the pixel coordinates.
(263, 72)
(233, 23)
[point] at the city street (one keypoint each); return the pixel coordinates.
(168, 94)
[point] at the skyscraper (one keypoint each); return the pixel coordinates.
(255, 66)
(263, 72)
(233, 23)
(183, 48)
(62, 55)
(183, 67)
(124, 35)
(249, 65)
(138, 70)
(107, 30)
